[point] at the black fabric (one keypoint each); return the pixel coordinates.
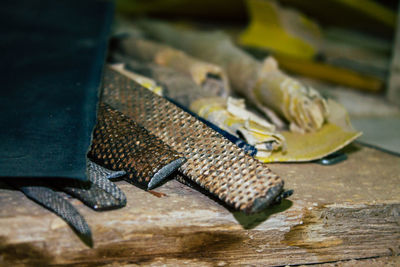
(52, 56)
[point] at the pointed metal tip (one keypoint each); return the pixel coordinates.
(52, 201)
(111, 203)
(164, 172)
(272, 197)
(86, 238)
(81, 228)
(287, 193)
(116, 174)
(99, 193)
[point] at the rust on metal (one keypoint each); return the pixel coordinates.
(119, 143)
(157, 194)
(213, 162)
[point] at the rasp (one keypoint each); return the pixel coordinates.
(119, 143)
(161, 90)
(99, 193)
(213, 162)
(229, 113)
(38, 191)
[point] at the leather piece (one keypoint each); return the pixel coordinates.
(52, 54)
(213, 162)
(99, 193)
(119, 143)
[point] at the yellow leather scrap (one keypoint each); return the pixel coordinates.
(301, 105)
(142, 80)
(197, 69)
(273, 146)
(232, 116)
(281, 30)
(334, 135)
(153, 52)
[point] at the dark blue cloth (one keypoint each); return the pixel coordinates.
(52, 54)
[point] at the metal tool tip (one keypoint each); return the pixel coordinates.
(164, 172)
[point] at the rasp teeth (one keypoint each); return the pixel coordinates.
(165, 171)
(98, 193)
(100, 177)
(45, 196)
(119, 143)
(213, 162)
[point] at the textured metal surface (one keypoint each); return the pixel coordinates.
(98, 193)
(121, 144)
(213, 162)
(249, 149)
(179, 89)
(52, 201)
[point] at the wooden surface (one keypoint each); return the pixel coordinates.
(342, 212)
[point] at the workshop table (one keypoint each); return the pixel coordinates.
(350, 210)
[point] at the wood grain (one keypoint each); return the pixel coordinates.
(346, 211)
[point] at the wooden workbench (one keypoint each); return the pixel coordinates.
(346, 211)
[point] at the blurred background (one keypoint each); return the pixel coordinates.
(348, 50)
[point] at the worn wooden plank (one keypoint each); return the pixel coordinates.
(391, 261)
(347, 211)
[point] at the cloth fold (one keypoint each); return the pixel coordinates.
(50, 77)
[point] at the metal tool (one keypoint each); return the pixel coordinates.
(119, 143)
(213, 162)
(99, 193)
